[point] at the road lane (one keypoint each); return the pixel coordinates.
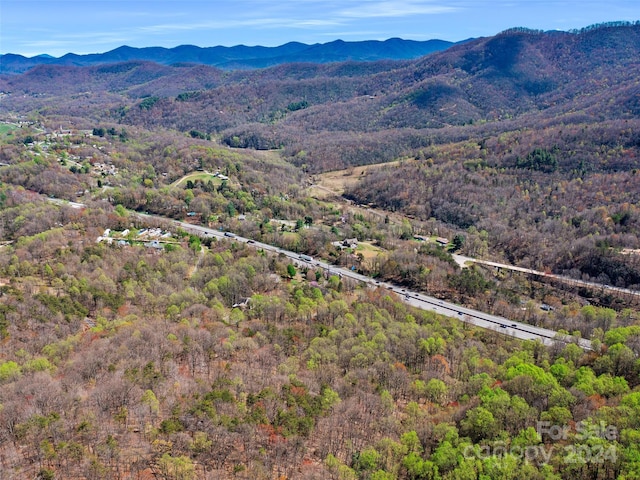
(420, 300)
(477, 318)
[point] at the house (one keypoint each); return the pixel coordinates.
(421, 238)
(154, 244)
(442, 241)
(350, 242)
(346, 243)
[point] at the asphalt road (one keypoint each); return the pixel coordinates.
(477, 318)
(599, 286)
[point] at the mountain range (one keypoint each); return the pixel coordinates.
(355, 112)
(542, 124)
(240, 56)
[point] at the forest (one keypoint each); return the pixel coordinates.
(130, 354)
(124, 362)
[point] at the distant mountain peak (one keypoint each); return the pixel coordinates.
(240, 56)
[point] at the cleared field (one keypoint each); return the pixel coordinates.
(203, 176)
(271, 156)
(334, 183)
(369, 251)
(6, 128)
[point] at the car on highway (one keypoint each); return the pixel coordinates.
(229, 234)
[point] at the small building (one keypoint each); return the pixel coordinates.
(350, 242)
(154, 244)
(442, 241)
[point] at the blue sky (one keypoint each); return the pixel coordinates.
(56, 27)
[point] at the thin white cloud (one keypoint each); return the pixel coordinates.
(332, 15)
(58, 44)
(316, 23)
(239, 23)
(370, 34)
(395, 9)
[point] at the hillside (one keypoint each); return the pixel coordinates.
(514, 74)
(487, 107)
(142, 368)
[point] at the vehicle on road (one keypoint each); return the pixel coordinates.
(306, 258)
(229, 234)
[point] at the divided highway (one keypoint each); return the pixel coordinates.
(487, 321)
(477, 318)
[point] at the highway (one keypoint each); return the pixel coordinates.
(521, 331)
(476, 318)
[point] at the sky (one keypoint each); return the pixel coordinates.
(56, 27)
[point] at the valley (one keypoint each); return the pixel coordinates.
(345, 270)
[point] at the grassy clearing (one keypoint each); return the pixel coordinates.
(6, 128)
(203, 176)
(368, 251)
(270, 156)
(336, 182)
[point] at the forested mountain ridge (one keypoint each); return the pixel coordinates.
(529, 111)
(515, 73)
(240, 56)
